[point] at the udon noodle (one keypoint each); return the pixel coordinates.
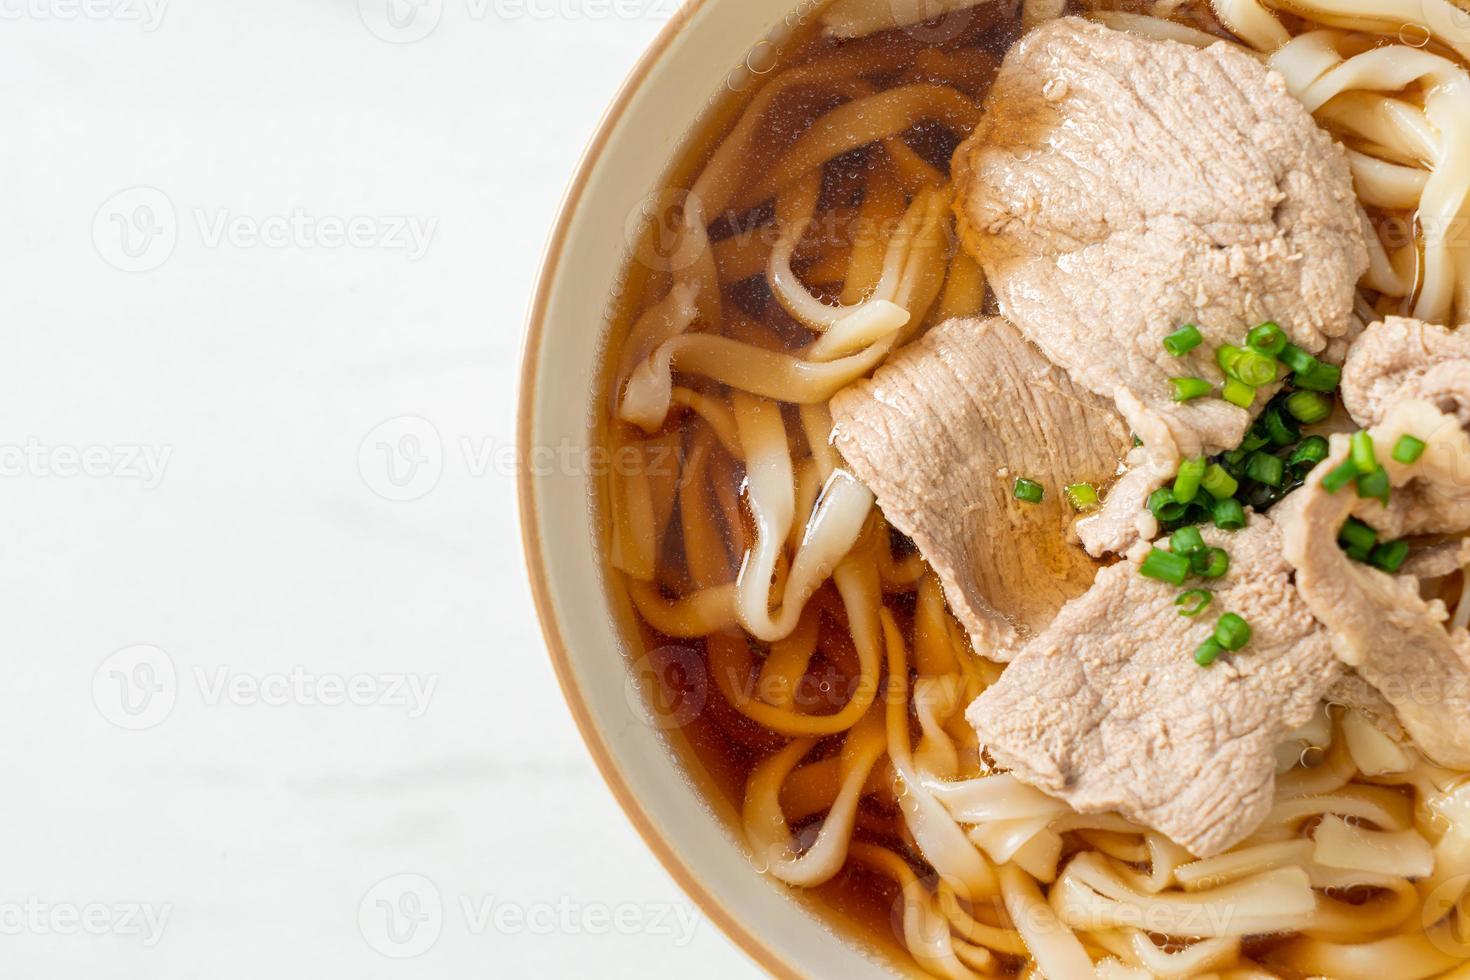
(814, 238)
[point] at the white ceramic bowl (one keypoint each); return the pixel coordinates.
(693, 834)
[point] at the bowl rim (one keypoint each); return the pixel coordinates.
(709, 903)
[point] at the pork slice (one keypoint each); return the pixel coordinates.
(1399, 359)
(1120, 187)
(940, 435)
(1380, 625)
(1438, 560)
(1107, 709)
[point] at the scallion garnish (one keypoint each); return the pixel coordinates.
(1308, 407)
(1029, 491)
(1265, 468)
(1232, 631)
(1163, 566)
(1268, 338)
(1208, 652)
(1297, 359)
(1210, 563)
(1229, 515)
(1390, 557)
(1227, 356)
(1082, 496)
(1256, 369)
(1311, 451)
(1186, 541)
(1280, 429)
(1218, 483)
(1188, 389)
(1187, 484)
(1358, 539)
(1161, 504)
(1253, 440)
(1365, 458)
(1321, 377)
(1408, 450)
(1238, 393)
(1183, 340)
(1375, 485)
(1195, 601)
(1340, 477)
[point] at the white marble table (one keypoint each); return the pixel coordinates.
(266, 682)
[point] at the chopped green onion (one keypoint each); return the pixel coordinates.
(1218, 483)
(1229, 515)
(1358, 538)
(1232, 631)
(1227, 357)
(1183, 340)
(1297, 359)
(1308, 407)
(1309, 453)
(1375, 485)
(1408, 450)
(1188, 389)
(1208, 652)
(1253, 441)
(1364, 456)
(1161, 504)
(1281, 431)
(1210, 563)
(1321, 377)
(1165, 567)
(1340, 477)
(1390, 557)
(1237, 392)
(1256, 369)
(1029, 491)
(1268, 338)
(1195, 601)
(1267, 469)
(1187, 484)
(1186, 541)
(1082, 496)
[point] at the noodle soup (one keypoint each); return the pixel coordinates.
(812, 656)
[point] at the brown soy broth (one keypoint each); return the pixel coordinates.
(718, 745)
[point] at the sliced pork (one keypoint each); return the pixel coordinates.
(1108, 710)
(940, 435)
(1120, 187)
(1380, 625)
(1400, 359)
